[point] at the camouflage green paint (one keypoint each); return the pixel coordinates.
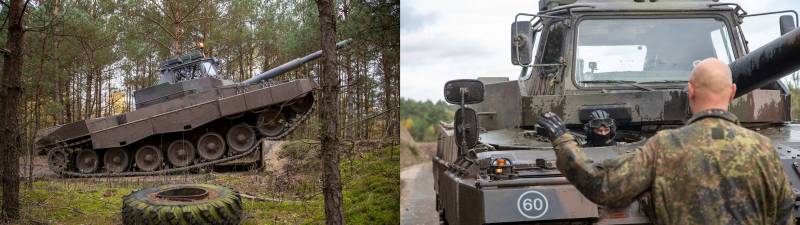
(711, 171)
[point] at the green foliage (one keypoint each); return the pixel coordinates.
(793, 81)
(372, 190)
(424, 115)
(77, 52)
(371, 194)
(72, 203)
(303, 157)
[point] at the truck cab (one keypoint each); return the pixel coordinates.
(630, 58)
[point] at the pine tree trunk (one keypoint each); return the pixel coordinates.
(10, 95)
(331, 181)
(350, 103)
(37, 105)
(390, 97)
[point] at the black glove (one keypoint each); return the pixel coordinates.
(553, 125)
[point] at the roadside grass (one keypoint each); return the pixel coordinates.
(371, 195)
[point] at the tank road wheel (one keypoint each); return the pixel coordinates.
(271, 123)
(87, 161)
(241, 137)
(303, 104)
(182, 204)
(116, 160)
(148, 158)
(180, 153)
(57, 160)
(210, 146)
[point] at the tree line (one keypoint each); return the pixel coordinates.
(84, 59)
(422, 117)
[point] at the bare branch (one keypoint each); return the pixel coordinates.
(24, 7)
(159, 25)
(201, 18)
(4, 4)
(156, 41)
(163, 10)
(48, 24)
(190, 11)
(4, 22)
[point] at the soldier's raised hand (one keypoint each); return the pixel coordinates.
(553, 125)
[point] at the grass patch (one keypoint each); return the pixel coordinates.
(52, 202)
(374, 198)
(371, 193)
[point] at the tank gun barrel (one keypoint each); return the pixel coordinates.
(286, 67)
(766, 64)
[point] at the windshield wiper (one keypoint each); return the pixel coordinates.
(664, 82)
(628, 82)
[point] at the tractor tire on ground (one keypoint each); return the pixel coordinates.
(182, 204)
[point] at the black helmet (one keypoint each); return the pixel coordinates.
(599, 118)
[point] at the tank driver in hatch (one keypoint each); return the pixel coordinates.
(711, 171)
(600, 129)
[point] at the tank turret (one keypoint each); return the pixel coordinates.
(269, 74)
(193, 72)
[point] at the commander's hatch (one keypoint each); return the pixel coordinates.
(189, 66)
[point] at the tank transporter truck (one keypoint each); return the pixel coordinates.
(192, 118)
(631, 58)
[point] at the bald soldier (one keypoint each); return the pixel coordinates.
(711, 171)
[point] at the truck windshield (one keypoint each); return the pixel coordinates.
(647, 50)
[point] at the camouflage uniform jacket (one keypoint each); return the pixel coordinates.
(711, 171)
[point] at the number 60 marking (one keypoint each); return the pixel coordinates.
(532, 204)
(537, 204)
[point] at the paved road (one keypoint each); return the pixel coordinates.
(417, 204)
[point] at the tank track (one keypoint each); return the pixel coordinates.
(254, 148)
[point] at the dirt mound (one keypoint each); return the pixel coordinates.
(272, 159)
(405, 136)
(410, 151)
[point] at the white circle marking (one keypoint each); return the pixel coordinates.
(538, 203)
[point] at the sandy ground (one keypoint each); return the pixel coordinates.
(40, 169)
(418, 201)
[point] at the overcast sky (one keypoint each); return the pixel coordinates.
(453, 39)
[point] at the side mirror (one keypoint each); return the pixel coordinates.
(786, 22)
(466, 124)
(521, 43)
(467, 90)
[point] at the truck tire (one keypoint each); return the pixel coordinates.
(182, 204)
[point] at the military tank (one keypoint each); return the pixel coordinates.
(192, 118)
(630, 58)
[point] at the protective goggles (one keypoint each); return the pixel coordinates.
(601, 122)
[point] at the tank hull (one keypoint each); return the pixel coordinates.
(468, 199)
(219, 112)
(176, 115)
